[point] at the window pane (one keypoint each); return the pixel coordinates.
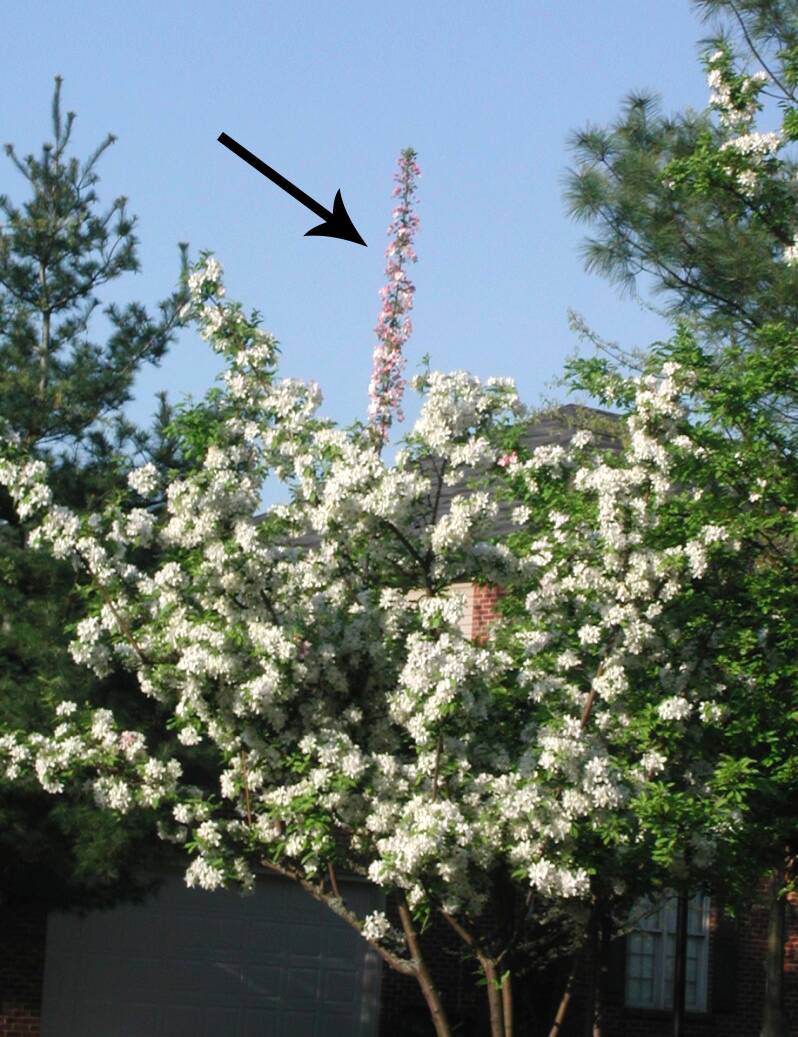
(667, 996)
(650, 952)
(693, 953)
(640, 969)
(696, 922)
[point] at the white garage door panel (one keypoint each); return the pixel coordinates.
(193, 964)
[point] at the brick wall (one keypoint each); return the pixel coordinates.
(23, 933)
(483, 609)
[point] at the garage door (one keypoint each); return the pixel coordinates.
(189, 963)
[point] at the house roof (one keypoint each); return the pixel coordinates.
(553, 427)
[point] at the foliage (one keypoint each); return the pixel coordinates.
(61, 394)
(705, 205)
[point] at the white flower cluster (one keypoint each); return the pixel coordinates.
(125, 773)
(29, 482)
(456, 405)
(675, 708)
(144, 480)
(734, 96)
(756, 146)
(376, 926)
(205, 874)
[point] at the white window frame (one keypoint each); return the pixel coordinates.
(654, 928)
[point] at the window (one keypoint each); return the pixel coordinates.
(649, 954)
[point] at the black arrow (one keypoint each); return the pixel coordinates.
(336, 223)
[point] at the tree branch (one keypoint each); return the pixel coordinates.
(338, 907)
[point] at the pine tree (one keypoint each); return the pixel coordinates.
(707, 243)
(67, 367)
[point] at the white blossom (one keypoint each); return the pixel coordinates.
(376, 926)
(675, 708)
(144, 480)
(201, 872)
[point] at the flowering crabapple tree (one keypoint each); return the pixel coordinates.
(321, 687)
(353, 726)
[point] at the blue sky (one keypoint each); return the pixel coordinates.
(328, 94)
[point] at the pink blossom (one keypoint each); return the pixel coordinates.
(507, 459)
(393, 327)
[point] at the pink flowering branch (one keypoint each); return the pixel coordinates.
(394, 326)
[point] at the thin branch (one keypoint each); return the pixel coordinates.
(247, 803)
(757, 55)
(562, 1008)
(591, 698)
(122, 623)
(519, 927)
(488, 965)
(333, 880)
(407, 544)
(435, 506)
(438, 749)
(507, 1004)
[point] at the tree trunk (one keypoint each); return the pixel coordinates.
(774, 1022)
(592, 1019)
(507, 915)
(417, 965)
(495, 1004)
(44, 341)
(680, 963)
(507, 1004)
(425, 981)
(565, 1000)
